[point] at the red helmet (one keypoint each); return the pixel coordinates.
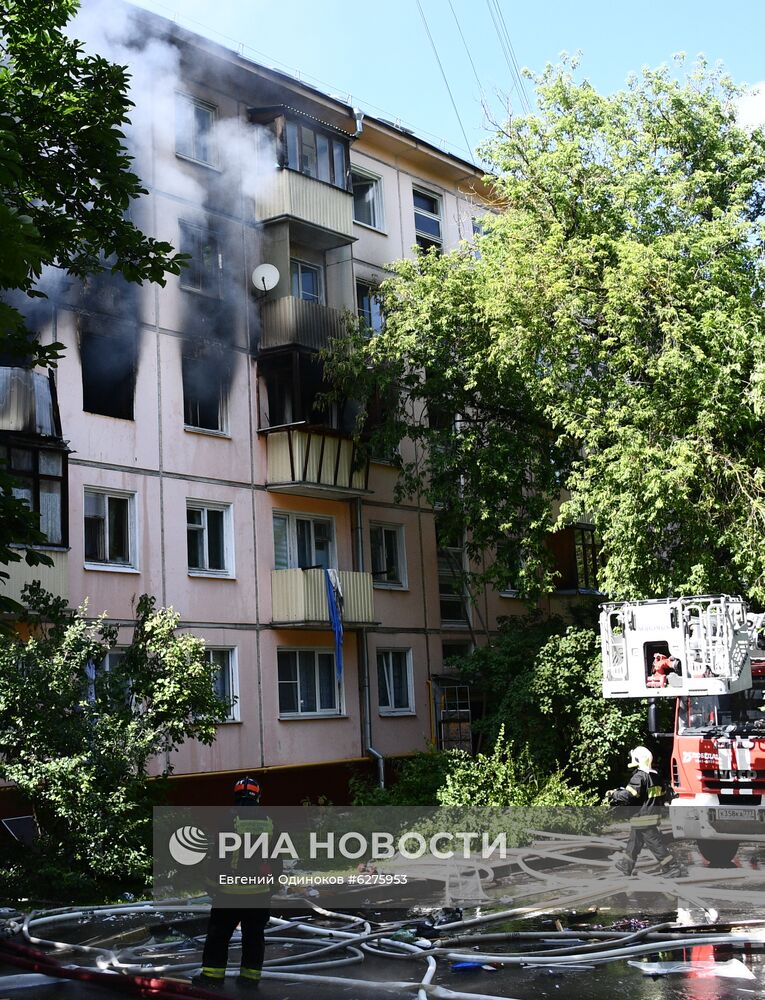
(247, 789)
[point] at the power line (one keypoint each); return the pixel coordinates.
(508, 53)
(518, 70)
(446, 82)
(470, 57)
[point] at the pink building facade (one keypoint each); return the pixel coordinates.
(197, 466)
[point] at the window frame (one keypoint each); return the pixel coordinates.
(386, 710)
(204, 234)
(223, 425)
(228, 572)
(196, 102)
(232, 669)
(369, 323)
(449, 552)
(339, 687)
(587, 557)
(332, 138)
(400, 535)
(132, 565)
(423, 239)
(292, 518)
(35, 478)
(378, 204)
(308, 265)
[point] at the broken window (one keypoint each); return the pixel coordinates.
(108, 371)
(295, 386)
(202, 271)
(194, 129)
(204, 393)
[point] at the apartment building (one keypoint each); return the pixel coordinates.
(180, 451)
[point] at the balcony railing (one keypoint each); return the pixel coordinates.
(289, 321)
(314, 462)
(299, 597)
(289, 194)
(54, 579)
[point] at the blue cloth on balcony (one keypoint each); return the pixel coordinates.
(335, 605)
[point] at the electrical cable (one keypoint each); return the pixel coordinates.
(509, 55)
(446, 81)
(467, 50)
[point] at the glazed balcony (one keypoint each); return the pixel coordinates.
(289, 321)
(299, 598)
(325, 210)
(314, 461)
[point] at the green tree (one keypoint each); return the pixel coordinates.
(542, 687)
(616, 301)
(65, 186)
(77, 738)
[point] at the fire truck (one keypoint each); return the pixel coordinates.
(708, 654)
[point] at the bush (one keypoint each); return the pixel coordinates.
(542, 687)
(416, 781)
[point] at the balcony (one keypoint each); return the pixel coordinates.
(54, 579)
(314, 462)
(290, 322)
(319, 213)
(299, 598)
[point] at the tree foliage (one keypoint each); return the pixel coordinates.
(77, 738)
(617, 299)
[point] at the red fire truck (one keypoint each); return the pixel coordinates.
(706, 653)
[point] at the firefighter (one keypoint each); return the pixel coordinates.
(228, 911)
(647, 795)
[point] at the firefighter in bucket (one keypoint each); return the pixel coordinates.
(647, 795)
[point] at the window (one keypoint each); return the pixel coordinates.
(204, 393)
(108, 363)
(40, 481)
(395, 687)
(317, 153)
(368, 306)
(388, 555)
(303, 542)
(207, 534)
(307, 281)
(587, 552)
(226, 681)
(202, 273)
(308, 684)
(109, 528)
(451, 591)
(367, 198)
(109, 682)
(194, 129)
(427, 220)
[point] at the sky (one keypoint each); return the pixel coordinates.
(380, 57)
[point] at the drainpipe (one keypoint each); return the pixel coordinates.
(363, 654)
(359, 122)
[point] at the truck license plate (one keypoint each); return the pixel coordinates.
(733, 814)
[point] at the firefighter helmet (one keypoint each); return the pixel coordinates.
(642, 758)
(247, 790)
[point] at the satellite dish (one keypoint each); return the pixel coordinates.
(265, 277)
